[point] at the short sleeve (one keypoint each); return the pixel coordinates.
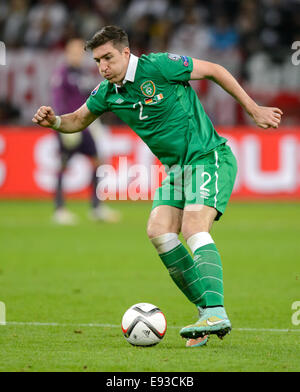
(174, 68)
(96, 101)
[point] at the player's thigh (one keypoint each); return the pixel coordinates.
(197, 218)
(167, 207)
(164, 219)
(211, 181)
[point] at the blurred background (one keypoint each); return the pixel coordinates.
(253, 39)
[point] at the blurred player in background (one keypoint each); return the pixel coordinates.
(153, 96)
(68, 93)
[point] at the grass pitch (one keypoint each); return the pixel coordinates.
(66, 289)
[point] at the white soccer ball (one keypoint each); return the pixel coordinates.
(144, 325)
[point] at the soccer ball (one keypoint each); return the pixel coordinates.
(144, 325)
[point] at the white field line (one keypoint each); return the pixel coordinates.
(93, 325)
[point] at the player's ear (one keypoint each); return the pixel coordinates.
(126, 51)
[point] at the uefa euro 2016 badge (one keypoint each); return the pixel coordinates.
(185, 61)
(94, 92)
(148, 88)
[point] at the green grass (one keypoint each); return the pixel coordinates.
(93, 272)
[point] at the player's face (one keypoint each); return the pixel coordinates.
(112, 62)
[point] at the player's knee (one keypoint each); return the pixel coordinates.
(155, 230)
(163, 220)
(197, 220)
(158, 228)
(192, 227)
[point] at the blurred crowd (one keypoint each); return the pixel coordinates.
(251, 38)
(155, 25)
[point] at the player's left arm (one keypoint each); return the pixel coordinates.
(264, 117)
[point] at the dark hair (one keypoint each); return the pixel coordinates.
(113, 34)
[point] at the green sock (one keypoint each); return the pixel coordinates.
(183, 271)
(209, 266)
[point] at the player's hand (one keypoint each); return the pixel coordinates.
(266, 117)
(44, 117)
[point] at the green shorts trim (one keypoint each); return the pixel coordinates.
(209, 180)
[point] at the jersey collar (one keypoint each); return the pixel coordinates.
(131, 70)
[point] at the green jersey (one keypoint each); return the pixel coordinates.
(158, 103)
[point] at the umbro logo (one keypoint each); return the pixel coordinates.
(119, 101)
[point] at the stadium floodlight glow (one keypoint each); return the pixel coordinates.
(2, 53)
(2, 313)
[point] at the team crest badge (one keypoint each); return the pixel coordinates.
(148, 88)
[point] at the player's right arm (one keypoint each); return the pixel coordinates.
(263, 116)
(67, 123)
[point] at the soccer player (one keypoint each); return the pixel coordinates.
(153, 96)
(68, 92)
